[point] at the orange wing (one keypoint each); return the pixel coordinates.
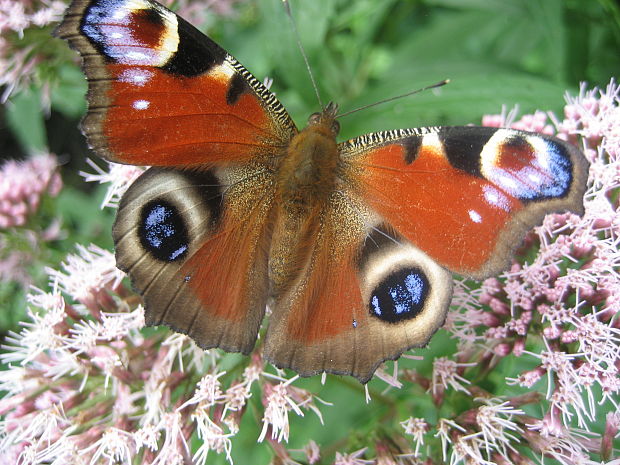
(195, 246)
(364, 296)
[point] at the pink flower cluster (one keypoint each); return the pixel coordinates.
(22, 184)
(533, 123)
(84, 385)
(17, 16)
(18, 63)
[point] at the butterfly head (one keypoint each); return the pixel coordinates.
(326, 118)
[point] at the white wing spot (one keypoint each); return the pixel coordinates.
(475, 216)
(137, 77)
(507, 182)
(119, 14)
(496, 198)
(137, 56)
(141, 104)
(534, 178)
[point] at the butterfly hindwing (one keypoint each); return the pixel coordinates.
(466, 195)
(162, 93)
(195, 246)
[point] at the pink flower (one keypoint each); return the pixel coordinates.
(416, 427)
(279, 399)
(17, 16)
(118, 176)
(22, 184)
(354, 458)
(446, 373)
(87, 276)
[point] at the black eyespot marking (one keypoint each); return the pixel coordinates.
(237, 86)
(153, 16)
(400, 296)
(163, 231)
(196, 53)
(463, 147)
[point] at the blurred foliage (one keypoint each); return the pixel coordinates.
(495, 52)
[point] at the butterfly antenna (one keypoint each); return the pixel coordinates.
(433, 86)
(287, 8)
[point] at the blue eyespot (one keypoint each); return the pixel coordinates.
(162, 231)
(545, 173)
(560, 171)
(400, 296)
(95, 24)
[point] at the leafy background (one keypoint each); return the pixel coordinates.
(495, 52)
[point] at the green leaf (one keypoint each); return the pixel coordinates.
(81, 214)
(25, 118)
(69, 96)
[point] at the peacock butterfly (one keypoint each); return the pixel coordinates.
(351, 244)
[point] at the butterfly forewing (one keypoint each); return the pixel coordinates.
(466, 195)
(162, 93)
